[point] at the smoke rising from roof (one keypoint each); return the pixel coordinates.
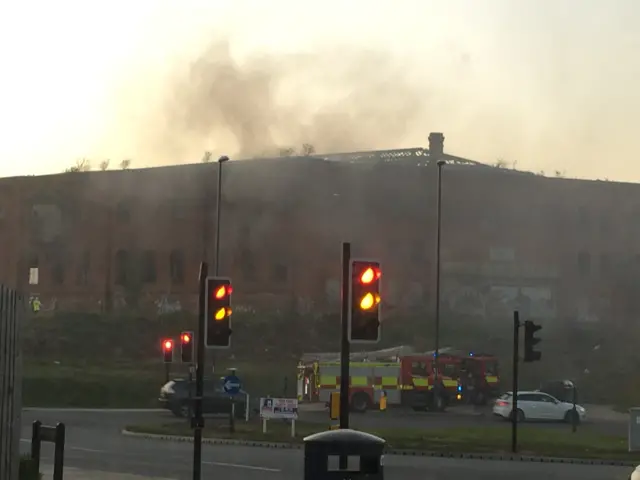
(532, 85)
(262, 104)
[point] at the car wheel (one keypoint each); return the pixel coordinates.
(360, 402)
(182, 411)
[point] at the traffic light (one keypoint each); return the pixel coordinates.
(531, 355)
(218, 313)
(186, 347)
(167, 350)
(364, 302)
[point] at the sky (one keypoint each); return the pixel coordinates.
(544, 85)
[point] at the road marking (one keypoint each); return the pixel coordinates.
(246, 467)
(90, 450)
(96, 410)
(79, 449)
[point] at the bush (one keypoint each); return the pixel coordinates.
(28, 470)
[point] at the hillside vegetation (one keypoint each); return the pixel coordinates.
(76, 359)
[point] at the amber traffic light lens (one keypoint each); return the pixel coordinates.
(221, 313)
(369, 301)
(186, 338)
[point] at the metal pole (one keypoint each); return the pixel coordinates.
(198, 423)
(58, 462)
(216, 260)
(574, 411)
(221, 160)
(438, 237)
(514, 402)
(190, 386)
(344, 345)
(36, 444)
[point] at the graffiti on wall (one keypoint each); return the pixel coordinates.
(499, 301)
(164, 306)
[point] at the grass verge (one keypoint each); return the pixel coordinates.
(487, 439)
(129, 385)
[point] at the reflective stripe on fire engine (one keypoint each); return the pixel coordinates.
(360, 364)
(492, 379)
(420, 382)
(331, 381)
(385, 383)
(359, 381)
(449, 383)
(328, 381)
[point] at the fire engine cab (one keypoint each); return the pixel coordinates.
(406, 377)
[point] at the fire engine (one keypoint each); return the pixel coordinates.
(406, 377)
(477, 372)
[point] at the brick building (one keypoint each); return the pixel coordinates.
(554, 247)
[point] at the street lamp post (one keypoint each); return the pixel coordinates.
(221, 160)
(440, 164)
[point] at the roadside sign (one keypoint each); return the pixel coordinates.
(231, 384)
(271, 408)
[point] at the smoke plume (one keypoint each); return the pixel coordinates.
(263, 104)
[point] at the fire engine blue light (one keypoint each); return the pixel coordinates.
(471, 354)
(459, 388)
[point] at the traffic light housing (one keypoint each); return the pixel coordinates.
(218, 313)
(364, 301)
(167, 350)
(186, 347)
(530, 340)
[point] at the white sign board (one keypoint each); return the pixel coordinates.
(279, 408)
(33, 276)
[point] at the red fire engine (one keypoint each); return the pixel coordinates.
(406, 377)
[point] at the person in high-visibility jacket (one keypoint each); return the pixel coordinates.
(383, 401)
(35, 304)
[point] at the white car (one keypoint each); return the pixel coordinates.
(537, 406)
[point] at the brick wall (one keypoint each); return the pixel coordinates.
(282, 224)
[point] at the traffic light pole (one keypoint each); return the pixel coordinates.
(441, 164)
(216, 259)
(344, 341)
(514, 398)
(344, 349)
(198, 423)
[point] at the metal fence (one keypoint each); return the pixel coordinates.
(11, 313)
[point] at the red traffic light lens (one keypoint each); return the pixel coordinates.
(167, 344)
(370, 275)
(222, 291)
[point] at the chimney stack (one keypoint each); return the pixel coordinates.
(436, 145)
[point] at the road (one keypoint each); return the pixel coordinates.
(94, 443)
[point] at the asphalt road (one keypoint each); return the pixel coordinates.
(94, 443)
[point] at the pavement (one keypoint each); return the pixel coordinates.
(95, 450)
